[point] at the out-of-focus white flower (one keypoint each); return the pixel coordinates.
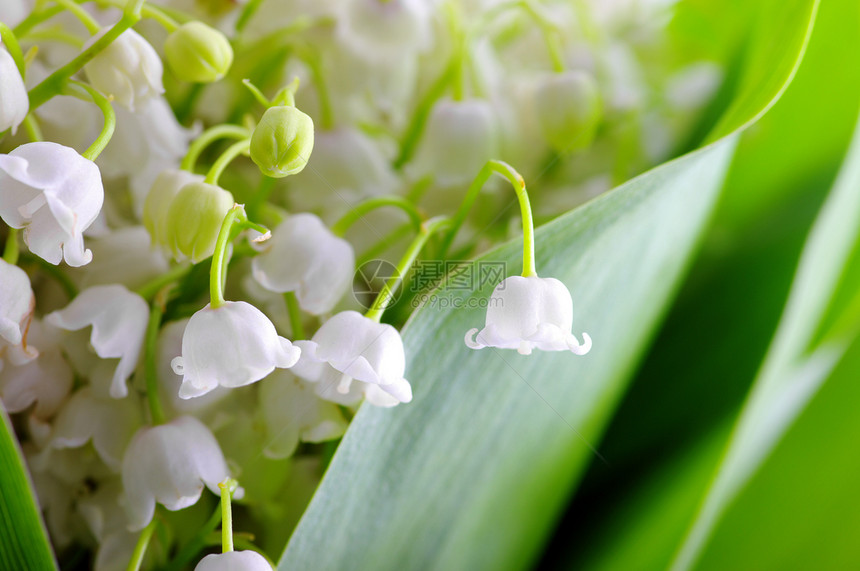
(569, 109)
(359, 349)
(386, 28)
(234, 561)
(14, 104)
(305, 257)
(16, 303)
(129, 69)
(345, 167)
(145, 143)
(170, 464)
(292, 412)
(459, 138)
(110, 425)
(54, 194)
(232, 345)
(119, 318)
(45, 380)
(527, 313)
(122, 256)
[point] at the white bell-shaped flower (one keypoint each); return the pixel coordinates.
(14, 104)
(129, 69)
(459, 138)
(16, 303)
(305, 257)
(292, 412)
(232, 345)
(234, 561)
(525, 313)
(386, 28)
(45, 381)
(108, 423)
(119, 319)
(170, 464)
(359, 349)
(54, 194)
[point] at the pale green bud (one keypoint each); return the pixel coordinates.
(196, 52)
(569, 110)
(157, 204)
(194, 219)
(282, 143)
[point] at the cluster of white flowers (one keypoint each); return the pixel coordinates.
(133, 381)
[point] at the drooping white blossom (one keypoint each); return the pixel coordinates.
(231, 345)
(14, 104)
(108, 423)
(525, 313)
(54, 194)
(234, 561)
(129, 69)
(304, 256)
(292, 412)
(170, 464)
(16, 303)
(386, 28)
(459, 138)
(45, 381)
(118, 317)
(359, 349)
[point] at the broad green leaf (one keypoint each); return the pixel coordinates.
(793, 369)
(23, 539)
(797, 512)
(473, 472)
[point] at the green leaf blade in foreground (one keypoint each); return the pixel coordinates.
(472, 474)
(795, 367)
(23, 539)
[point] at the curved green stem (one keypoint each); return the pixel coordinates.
(150, 11)
(105, 107)
(347, 220)
(36, 18)
(295, 313)
(141, 545)
(150, 370)
(11, 250)
(152, 287)
(54, 83)
(258, 95)
(218, 270)
(385, 297)
(85, 18)
(228, 486)
(195, 149)
(31, 125)
(506, 170)
(550, 33)
(14, 48)
(377, 249)
(312, 60)
(233, 151)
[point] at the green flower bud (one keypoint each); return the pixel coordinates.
(194, 219)
(161, 194)
(569, 110)
(282, 143)
(196, 52)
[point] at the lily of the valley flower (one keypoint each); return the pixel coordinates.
(459, 138)
(525, 313)
(129, 69)
(234, 561)
(170, 464)
(54, 194)
(304, 256)
(14, 104)
(231, 345)
(119, 318)
(292, 412)
(16, 303)
(351, 347)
